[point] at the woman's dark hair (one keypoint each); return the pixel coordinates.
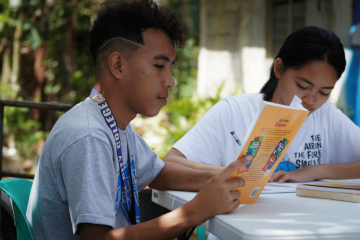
(304, 46)
(128, 19)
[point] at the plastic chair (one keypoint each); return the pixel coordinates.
(200, 233)
(18, 191)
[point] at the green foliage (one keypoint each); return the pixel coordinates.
(27, 131)
(190, 9)
(61, 30)
(185, 70)
(184, 114)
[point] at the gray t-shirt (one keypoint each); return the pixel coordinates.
(76, 179)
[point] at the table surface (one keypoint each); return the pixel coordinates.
(277, 216)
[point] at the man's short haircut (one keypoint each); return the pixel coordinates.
(122, 25)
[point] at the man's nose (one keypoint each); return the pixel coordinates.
(169, 80)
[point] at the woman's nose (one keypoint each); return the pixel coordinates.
(310, 99)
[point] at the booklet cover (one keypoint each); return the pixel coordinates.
(343, 191)
(267, 139)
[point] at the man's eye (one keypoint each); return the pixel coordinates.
(301, 87)
(159, 66)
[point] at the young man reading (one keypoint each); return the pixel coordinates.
(93, 163)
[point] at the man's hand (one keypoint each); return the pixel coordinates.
(306, 174)
(218, 196)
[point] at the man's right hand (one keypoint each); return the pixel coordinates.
(218, 196)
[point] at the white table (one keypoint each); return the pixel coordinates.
(277, 216)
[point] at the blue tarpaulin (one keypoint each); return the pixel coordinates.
(352, 81)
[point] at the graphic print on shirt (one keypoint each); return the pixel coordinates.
(134, 186)
(311, 153)
(128, 181)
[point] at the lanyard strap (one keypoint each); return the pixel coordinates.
(123, 196)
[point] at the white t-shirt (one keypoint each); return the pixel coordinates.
(327, 135)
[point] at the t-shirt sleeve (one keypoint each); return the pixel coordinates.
(148, 164)
(344, 139)
(88, 182)
(205, 142)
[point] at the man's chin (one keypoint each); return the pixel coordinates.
(150, 113)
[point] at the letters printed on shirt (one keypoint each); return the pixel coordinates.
(309, 154)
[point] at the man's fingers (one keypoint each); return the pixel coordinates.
(235, 182)
(236, 204)
(225, 174)
(235, 194)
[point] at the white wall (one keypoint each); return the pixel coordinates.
(232, 46)
(219, 59)
(216, 68)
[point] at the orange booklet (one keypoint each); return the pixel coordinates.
(267, 139)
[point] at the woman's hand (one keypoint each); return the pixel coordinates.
(307, 174)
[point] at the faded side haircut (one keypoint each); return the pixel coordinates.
(120, 27)
(126, 47)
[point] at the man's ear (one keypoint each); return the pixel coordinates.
(115, 62)
(278, 67)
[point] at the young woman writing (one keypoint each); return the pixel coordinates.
(327, 145)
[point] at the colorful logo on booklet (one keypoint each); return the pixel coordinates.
(252, 150)
(274, 156)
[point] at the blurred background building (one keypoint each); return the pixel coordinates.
(240, 38)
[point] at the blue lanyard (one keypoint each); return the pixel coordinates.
(123, 195)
